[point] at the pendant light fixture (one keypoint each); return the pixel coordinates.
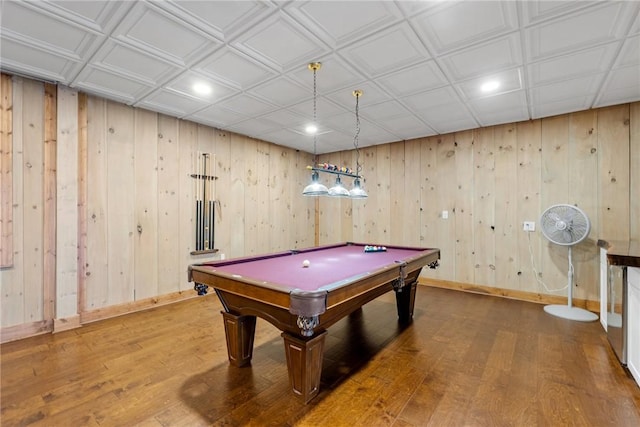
(316, 188)
(357, 192)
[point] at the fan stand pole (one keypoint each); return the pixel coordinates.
(568, 311)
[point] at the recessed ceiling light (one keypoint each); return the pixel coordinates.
(202, 88)
(490, 86)
(311, 129)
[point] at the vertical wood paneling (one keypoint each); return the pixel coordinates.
(83, 196)
(484, 253)
(12, 279)
(463, 217)
(397, 197)
(382, 222)
(187, 147)
(67, 205)
(429, 208)
(364, 214)
(528, 202)
(412, 189)
(224, 197)
(634, 170)
(33, 198)
(303, 207)
(145, 246)
(583, 185)
(236, 216)
(446, 200)
(97, 273)
(6, 171)
(120, 203)
(613, 167)
(49, 208)
(279, 202)
(555, 189)
(506, 207)
(169, 276)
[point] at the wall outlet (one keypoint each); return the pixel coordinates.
(445, 214)
(529, 226)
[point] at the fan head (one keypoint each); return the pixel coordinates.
(565, 224)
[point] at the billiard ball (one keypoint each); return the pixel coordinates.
(306, 263)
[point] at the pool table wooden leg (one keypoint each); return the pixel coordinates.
(239, 331)
(405, 301)
(304, 363)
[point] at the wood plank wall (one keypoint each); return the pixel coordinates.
(492, 179)
(134, 226)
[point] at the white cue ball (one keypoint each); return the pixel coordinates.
(306, 263)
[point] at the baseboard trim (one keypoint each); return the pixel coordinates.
(593, 306)
(66, 323)
(134, 306)
(25, 330)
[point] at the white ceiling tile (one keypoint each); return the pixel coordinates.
(334, 74)
(578, 31)
(383, 111)
(622, 85)
(589, 61)
(509, 80)
(587, 86)
(170, 102)
(279, 42)
(43, 29)
(386, 51)
(234, 68)
(110, 85)
(339, 23)
(247, 104)
(406, 126)
(29, 60)
(222, 19)
(155, 31)
(290, 139)
(281, 91)
(506, 108)
(446, 117)
(217, 116)
(484, 58)
(185, 82)
(325, 108)
(133, 63)
(459, 24)
(417, 78)
(431, 98)
(371, 94)
(286, 118)
(537, 11)
(254, 127)
(630, 53)
(560, 107)
(99, 15)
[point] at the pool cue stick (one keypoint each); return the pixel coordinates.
(205, 177)
(212, 202)
(197, 197)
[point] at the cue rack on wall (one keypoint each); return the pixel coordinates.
(205, 202)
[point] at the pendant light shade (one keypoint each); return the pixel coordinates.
(316, 188)
(338, 189)
(357, 192)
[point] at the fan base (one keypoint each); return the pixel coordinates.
(571, 313)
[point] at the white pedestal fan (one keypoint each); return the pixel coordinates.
(567, 225)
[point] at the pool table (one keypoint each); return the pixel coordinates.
(304, 300)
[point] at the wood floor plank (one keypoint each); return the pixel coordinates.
(466, 359)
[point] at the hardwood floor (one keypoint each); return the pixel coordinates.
(467, 359)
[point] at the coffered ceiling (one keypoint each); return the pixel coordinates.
(420, 64)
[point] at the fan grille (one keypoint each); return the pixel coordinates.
(565, 224)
